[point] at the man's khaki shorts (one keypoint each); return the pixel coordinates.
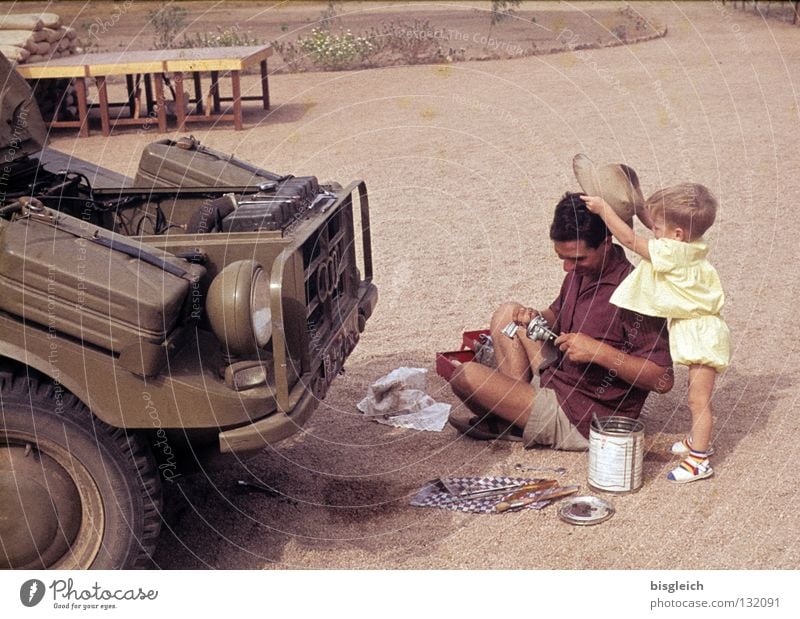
(548, 425)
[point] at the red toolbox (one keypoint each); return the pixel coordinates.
(471, 339)
(469, 344)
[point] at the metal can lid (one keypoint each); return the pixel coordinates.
(585, 510)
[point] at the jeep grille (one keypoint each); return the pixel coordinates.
(331, 279)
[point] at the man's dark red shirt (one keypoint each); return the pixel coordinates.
(583, 306)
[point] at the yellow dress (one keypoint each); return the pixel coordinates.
(680, 284)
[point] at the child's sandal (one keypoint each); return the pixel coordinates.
(691, 468)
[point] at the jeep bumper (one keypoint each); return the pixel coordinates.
(303, 398)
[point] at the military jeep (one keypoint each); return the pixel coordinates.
(152, 325)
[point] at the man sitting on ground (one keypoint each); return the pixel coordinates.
(607, 359)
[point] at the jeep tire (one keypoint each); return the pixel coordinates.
(75, 492)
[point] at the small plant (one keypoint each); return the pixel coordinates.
(640, 24)
(292, 57)
(330, 16)
(167, 21)
(335, 51)
(231, 37)
(393, 43)
(414, 42)
(502, 9)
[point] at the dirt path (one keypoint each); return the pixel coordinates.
(464, 163)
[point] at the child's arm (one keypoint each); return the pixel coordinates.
(621, 231)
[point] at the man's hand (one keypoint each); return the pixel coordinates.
(637, 371)
(578, 347)
(523, 315)
(596, 205)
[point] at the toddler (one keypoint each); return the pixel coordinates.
(676, 281)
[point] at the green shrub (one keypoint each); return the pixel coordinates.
(413, 42)
(502, 9)
(167, 22)
(393, 43)
(333, 52)
(231, 37)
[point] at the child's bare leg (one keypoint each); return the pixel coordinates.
(701, 387)
(696, 464)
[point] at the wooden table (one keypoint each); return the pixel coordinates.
(68, 67)
(213, 60)
(138, 66)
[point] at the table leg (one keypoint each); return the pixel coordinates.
(215, 90)
(148, 93)
(198, 92)
(161, 103)
(180, 110)
(105, 122)
(131, 95)
(83, 108)
(264, 84)
(237, 100)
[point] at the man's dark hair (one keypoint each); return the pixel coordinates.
(572, 221)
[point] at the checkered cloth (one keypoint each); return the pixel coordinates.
(444, 493)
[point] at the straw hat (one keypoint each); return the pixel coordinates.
(616, 183)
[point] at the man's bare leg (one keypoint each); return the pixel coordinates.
(516, 357)
(485, 390)
(505, 391)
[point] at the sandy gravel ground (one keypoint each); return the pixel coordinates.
(464, 163)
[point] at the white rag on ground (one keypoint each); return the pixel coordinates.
(399, 399)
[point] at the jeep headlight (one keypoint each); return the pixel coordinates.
(238, 307)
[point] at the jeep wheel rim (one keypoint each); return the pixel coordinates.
(53, 511)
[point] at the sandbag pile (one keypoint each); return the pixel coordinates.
(32, 37)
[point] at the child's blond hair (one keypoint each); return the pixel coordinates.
(690, 206)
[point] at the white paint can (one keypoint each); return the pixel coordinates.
(616, 453)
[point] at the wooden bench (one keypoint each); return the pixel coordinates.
(146, 67)
(213, 60)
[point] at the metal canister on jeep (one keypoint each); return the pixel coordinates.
(200, 310)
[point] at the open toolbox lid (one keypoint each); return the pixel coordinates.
(470, 341)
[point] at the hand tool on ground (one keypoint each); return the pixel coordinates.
(531, 486)
(558, 470)
(544, 484)
(545, 495)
